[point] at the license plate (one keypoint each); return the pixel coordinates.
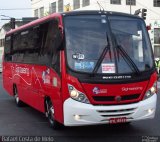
(117, 120)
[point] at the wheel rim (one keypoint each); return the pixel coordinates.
(51, 115)
(50, 112)
(16, 96)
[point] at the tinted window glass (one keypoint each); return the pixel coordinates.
(7, 48)
(97, 45)
(37, 45)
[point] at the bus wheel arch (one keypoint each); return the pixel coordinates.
(49, 113)
(18, 102)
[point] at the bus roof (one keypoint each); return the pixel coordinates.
(84, 12)
(81, 12)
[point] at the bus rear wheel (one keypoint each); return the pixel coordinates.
(50, 115)
(19, 103)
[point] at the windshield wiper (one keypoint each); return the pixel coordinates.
(127, 58)
(105, 50)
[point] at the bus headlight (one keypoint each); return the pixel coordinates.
(77, 95)
(151, 91)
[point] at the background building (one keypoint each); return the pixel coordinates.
(42, 8)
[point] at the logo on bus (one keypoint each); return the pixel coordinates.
(46, 76)
(118, 99)
(22, 70)
(96, 90)
(125, 89)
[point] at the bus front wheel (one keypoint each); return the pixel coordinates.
(50, 115)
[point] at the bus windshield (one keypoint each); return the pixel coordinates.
(107, 44)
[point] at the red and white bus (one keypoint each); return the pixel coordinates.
(83, 68)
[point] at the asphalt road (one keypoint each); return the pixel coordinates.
(26, 121)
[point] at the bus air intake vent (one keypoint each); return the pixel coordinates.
(117, 112)
(112, 98)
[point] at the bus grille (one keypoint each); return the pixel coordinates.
(112, 98)
(117, 113)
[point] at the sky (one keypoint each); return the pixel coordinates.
(10, 8)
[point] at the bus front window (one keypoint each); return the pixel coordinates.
(107, 44)
(131, 36)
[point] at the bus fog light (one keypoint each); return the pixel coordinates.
(150, 111)
(77, 117)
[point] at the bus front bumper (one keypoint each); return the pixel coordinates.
(78, 114)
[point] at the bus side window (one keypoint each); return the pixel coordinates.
(16, 48)
(51, 41)
(30, 43)
(7, 49)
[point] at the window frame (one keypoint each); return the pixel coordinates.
(157, 36)
(60, 5)
(156, 3)
(53, 7)
(41, 12)
(117, 2)
(36, 13)
(85, 3)
(76, 4)
(131, 2)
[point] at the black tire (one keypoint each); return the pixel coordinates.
(50, 115)
(19, 103)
